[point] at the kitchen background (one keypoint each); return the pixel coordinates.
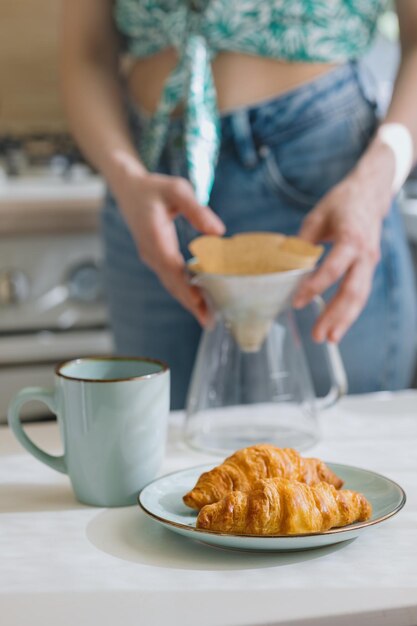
(51, 300)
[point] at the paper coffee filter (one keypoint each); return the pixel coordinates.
(252, 254)
(250, 278)
(249, 304)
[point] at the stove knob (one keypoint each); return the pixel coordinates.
(58, 165)
(14, 287)
(85, 284)
(79, 173)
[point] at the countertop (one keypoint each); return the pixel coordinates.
(31, 206)
(65, 563)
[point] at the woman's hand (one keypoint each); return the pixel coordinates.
(350, 216)
(150, 203)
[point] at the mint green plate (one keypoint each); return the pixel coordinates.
(162, 500)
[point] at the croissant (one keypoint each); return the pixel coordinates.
(240, 471)
(278, 506)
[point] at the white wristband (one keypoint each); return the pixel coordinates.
(398, 138)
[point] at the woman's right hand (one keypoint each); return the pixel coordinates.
(150, 203)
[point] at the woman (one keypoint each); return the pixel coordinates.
(263, 106)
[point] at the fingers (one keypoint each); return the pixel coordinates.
(181, 196)
(190, 297)
(342, 218)
(161, 253)
(347, 304)
(152, 226)
(351, 297)
(171, 272)
(334, 266)
(312, 226)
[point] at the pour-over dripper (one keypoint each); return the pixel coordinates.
(251, 382)
(249, 304)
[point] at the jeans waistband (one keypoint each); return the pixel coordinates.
(331, 94)
(333, 91)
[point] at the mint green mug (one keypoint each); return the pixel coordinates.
(112, 414)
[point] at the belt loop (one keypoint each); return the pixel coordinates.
(175, 149)
(243, 138)
(369, 87)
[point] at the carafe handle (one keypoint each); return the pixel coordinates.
(339, 384)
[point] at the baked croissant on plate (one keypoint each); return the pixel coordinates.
(241, 470)
(278, 506)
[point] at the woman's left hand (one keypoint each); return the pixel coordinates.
(350, 216)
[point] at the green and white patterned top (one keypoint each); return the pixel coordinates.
(295, 30)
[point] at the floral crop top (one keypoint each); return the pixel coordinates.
(295, 30)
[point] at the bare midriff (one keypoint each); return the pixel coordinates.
(241, 79)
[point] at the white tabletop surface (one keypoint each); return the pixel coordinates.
(65, 563)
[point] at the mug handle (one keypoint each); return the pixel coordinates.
(47, 397)
(339, 384)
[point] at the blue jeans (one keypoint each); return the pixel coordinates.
(277, 160)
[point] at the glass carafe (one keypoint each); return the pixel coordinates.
(251, 382)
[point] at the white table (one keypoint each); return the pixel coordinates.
(68, 564)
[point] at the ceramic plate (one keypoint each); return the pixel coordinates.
(162, 500)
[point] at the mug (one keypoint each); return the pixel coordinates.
(112, 414)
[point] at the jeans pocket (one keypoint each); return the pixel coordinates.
(277, 182)
(367, 113)
(305, 165)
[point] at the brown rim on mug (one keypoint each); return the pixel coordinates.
(59, 366)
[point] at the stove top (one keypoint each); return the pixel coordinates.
(40, 155)
(46, 184)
